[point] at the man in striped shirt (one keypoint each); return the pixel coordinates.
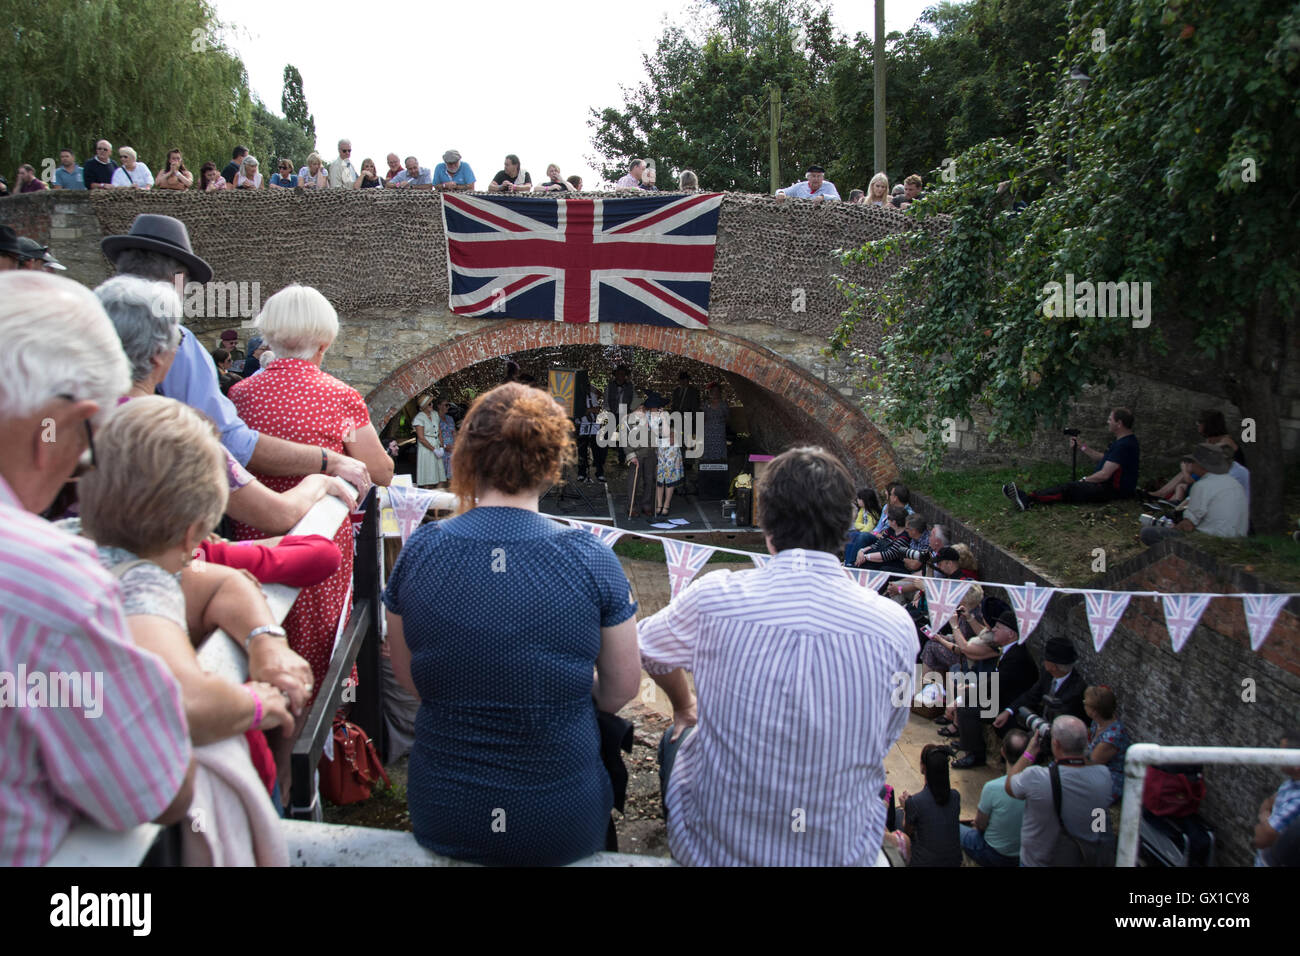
(804, 678)
(89, 725)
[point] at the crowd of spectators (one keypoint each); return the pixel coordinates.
(100, 171)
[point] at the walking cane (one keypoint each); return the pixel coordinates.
(636, 474)
(1074, 460)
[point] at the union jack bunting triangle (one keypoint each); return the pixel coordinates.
(1104, 608)
(760, 559)
(868, 578)
(684, 562)
(1182, 611)
(1029, 603)
(604, 532)
(1261, 611)
(942, 595)
(409, 507)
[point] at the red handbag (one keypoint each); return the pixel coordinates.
(1172, 794)
(355, 767)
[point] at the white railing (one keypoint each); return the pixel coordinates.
(1142, 756)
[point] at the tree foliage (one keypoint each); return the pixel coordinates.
(965, 74)
(293, 103)
(135, 73)
(1175, 168)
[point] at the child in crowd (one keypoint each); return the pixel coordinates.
(670, 471)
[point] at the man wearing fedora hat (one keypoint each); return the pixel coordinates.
(158, 247)
(1217, 503)
(1059, 680)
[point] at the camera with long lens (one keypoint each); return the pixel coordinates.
(1032, 722)
(1071, 432)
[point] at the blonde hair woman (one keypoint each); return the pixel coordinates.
(314, 175)
(158, 488)
(878, 190)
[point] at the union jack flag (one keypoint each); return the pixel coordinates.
(646, 260)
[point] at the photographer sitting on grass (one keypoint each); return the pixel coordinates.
(1116, 475)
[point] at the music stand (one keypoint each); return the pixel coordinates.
(566, 487)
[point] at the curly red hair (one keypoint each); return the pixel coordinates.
(514, 439)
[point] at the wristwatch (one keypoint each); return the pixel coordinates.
(273, 629)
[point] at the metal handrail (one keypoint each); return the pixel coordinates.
(1142, 756)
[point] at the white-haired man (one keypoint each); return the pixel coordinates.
(342, 172)
(117, 750)
(1069, 791)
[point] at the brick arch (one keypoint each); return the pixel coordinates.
(868, 450)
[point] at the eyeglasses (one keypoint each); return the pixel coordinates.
(90, 435)
(345, 150)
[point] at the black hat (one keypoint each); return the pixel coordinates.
(159, 234)
(992, 608)
(654, 400)
(1009, 619)
(34, 250)
(814, 168)
(9, 243)
(947, 554)
(1059, 650)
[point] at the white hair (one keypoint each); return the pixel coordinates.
(344, 142)
(130, 152)
(57, 341)
(297, 321)
(250, 160)
(147, 317)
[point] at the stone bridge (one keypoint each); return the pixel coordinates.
(380, 257)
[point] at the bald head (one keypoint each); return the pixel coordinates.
(1069, 737)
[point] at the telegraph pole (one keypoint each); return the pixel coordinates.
(774, 156)
(878, 74)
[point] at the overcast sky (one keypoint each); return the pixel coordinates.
(510, 77)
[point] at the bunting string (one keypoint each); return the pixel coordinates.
(1104, 609)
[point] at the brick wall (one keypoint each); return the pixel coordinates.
(1216, 691)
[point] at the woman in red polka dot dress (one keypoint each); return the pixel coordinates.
(293, 399)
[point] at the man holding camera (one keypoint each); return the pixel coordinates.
(1116, 475)
(1084, 795)
(1059, 689)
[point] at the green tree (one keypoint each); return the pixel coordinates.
(704, 103)
(1177, 168)
(81, 70)
(293, 103)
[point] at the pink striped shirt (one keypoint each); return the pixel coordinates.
(794, 670)
(61, 612)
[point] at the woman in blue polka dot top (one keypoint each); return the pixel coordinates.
(496, 619)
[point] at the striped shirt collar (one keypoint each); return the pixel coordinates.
(800, 559)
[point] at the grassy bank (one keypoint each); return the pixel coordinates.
(1061, 541)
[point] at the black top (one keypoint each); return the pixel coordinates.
(1070, 695)
(936, 836)
(1016, 672)
(229, 173)
(371, 183)
(502, 176)
(93, 171)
